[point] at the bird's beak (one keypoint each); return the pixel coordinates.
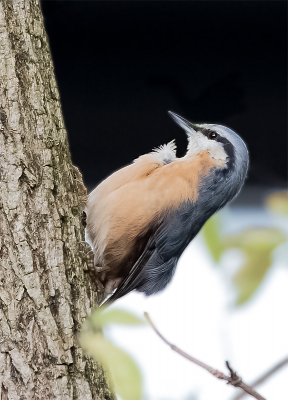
(186, 125)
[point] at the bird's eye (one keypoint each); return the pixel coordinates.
(212, 135)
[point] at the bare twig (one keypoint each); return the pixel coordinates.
(264, 377)
(233, 379)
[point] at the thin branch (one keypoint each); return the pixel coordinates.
(264, 377)
(233, 379)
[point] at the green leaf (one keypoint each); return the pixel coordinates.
(250, 276)
(126, 375)
(100, 318)
(278, 202)
(124, 371)
(258, 246)
(211, 232)
(256, 238)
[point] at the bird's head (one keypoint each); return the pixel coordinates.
(222, 144)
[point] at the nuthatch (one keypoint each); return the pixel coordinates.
(141, 218)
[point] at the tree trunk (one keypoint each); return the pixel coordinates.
(45, 287)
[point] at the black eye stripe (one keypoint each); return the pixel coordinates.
(228, 147)
(212, 135)
(229, 150)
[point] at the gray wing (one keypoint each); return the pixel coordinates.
(155, 267)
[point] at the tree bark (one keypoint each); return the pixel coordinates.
(45, 287)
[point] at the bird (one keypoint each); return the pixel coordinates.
(142, 217)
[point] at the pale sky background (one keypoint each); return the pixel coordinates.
(195, 313)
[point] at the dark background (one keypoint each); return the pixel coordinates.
(121, 65)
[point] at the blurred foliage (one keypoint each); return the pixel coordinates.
(101, 320)
(125, 374)
(257, 245)
(278, 202)
(213, 240)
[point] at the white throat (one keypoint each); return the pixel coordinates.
(198, 143)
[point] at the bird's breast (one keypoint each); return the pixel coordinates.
(122, 220)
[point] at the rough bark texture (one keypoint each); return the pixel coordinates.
(45, 288)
